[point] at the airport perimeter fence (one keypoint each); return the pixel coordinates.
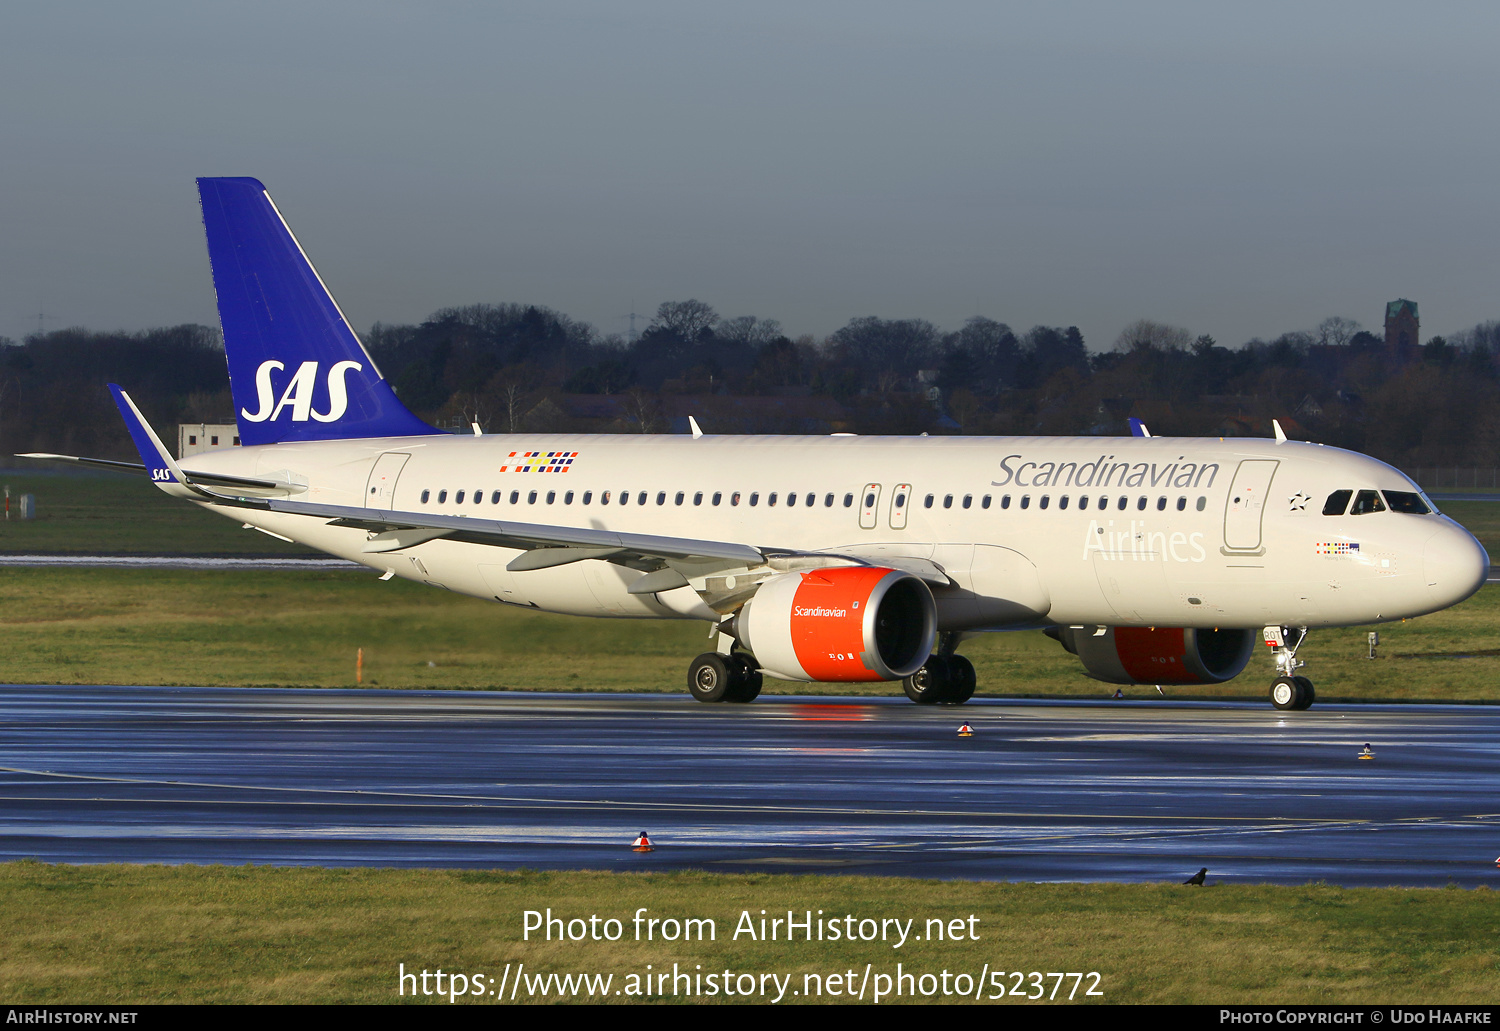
(1449, 477)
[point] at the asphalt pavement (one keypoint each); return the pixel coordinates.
(1043, 791)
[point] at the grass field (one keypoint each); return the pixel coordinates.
(291, 628)
(123, 934)
(120, 514)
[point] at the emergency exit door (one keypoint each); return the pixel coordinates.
(380, 489)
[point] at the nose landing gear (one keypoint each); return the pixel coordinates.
(1289, 692)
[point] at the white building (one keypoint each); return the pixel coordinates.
(196, 437)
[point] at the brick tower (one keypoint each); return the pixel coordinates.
(1402, 330)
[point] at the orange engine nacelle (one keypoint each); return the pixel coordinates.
(840, 623)
(1158, 655)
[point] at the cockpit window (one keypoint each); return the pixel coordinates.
(1337, 502)
(1367, 501)
(1406, 501)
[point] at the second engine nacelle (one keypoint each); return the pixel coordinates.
(840, 623)
(1158, 655)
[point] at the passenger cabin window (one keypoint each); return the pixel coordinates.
(1338, 502)
(1181, 504)
(678, 499)
(479, 497)
(1124, 503)
(791, 500)
(718, 496)
(1046, 500)
(568, 498)
(1062, 502)
(425, 495)
(849, 501)
(968, 500)
(986, 502)
(640, 499)
(1365, 502)
(947, 501)
(812, 499)
(927, 501)
(588, 497)
(624, 497)
(458, 499)
(754, 498)
(698, 498)
(1005, 501)
(530, 498)
(495, 498)
(551, 496)
(1161, 504)
(1406, 501)
(1201, 503)
(828, 501)
(734, 499)
(515, 496)
(442, 496)
(661, 497)
(1025, 500)
(771, 498)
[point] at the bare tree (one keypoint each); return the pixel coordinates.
(643, 410)
(685, 318)
(1335, 331)
(747, 329)
(1143, 334)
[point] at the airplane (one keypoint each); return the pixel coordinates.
(841, 558)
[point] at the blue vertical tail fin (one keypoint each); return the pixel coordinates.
(296, 369)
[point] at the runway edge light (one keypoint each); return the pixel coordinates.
(1367, 753)
(965, 731)
(642, 844)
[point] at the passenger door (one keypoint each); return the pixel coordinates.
(1247, 504)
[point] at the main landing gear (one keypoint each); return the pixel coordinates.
(1289, 691)
(944, 678)
(724, 678)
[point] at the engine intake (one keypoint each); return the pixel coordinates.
(844, 623)
(1158, 655)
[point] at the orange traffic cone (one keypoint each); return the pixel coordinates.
(965, 731)
(642, 844)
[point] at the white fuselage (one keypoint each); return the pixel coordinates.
(1030, 530)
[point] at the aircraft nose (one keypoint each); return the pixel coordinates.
(1454, 564)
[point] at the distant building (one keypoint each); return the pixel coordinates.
(1402, 330)
(196, 437)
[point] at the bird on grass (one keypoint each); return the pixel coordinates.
(1198, 877)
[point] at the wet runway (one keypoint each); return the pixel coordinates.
(1134, 791)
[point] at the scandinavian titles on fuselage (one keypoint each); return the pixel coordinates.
(1105, 472)
(1137, 544)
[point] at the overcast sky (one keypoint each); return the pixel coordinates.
(1240, 170)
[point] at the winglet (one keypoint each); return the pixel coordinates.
(164, 471)
(1137, 428)
(1280, 433)
(693, 425)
